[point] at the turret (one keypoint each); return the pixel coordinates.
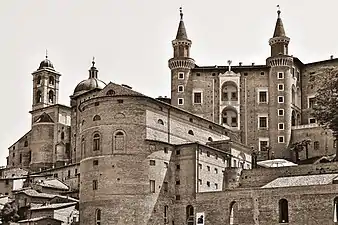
(279, 42)
(181, 64)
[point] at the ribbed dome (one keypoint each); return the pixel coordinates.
(46, 63)
(89, 84)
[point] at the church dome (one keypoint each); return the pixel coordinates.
(46, 63)
(91, 83)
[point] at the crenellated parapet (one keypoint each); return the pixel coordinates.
(280, 60)
(186, 63)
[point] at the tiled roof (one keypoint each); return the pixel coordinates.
(54, 183)
(53, 206)
(37, 219)
(34, 193)
(319, 179)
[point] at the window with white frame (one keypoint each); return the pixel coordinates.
(152, 186)
(280, 112)
(180, 101)
(280, 87)
(263, 144)
(180, 88)
(281, 126)
(280, 75)
(262, 122)
(197, 98)
(311, 102)
(280, 99)
(181, 75)
(280, 139)
(263, 97)
(312, 120)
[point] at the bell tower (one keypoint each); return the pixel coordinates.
(180, 66)
(45, 85)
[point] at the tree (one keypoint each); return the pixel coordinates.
(325, 109)
(9, 213)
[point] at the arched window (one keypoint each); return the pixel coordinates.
(210, 139)
(110, 92)
(335, 209)
(293, 118)
(229, 117)
(229, 91)
(159, 121)
(26, 144)
(190, 215)
(191, 132)
(119, 139)
(96, 142)
(62, 135)
(165, 214)
(96, 118)
(293, 94)
(38, 80)
(51, 80)
(38, 96)
(98, 217)
(83, 145)
(283, 211)
(51, 96)
(232, 213)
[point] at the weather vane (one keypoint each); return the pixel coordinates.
(46, 53)
(181, 13)
(93, 62)
(278, 11)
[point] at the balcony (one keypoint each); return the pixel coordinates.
(305, 126)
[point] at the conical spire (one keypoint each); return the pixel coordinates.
(279, 29)
(181, 32)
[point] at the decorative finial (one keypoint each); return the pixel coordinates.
(229, 63)
(278, 11)
(93, 62)
(46, 53)
(181, 13)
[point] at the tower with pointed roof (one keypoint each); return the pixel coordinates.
(45, 85)
(180, 65)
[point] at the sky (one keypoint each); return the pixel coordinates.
(131, 42)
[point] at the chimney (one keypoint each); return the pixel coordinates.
(253, 64)
(240, 63)
(331, 57)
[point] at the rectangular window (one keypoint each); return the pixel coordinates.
(225, 96)
(280, 112)
(120, 101)
(178, 167)
(199, 181)
(166, 165)
(152, 162)
(311, 102)
(95, 162)
(234, 96)
(178, 182)
(216, 170)
(281, 126)
(181, 75)
(263, 145)
(316, 145)
(263, 122)
(197, 98)
(298, 75)
(280, 99)
(208, 168)
(178, 197)
(165, 149)
(233, 121)
(180, 101)
(178, 152)
(95, 185)
(280, 75)
(200, 166)
(180, 88)
(293, 71)
(280, 87)
(208, 183)
(263, 97)
(280, 139)
(152, 186)
(216, 186)
(165, 186)
(312, 120)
